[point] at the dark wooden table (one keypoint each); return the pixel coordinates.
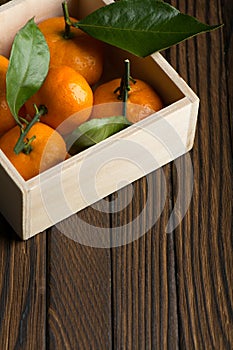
(163, 290)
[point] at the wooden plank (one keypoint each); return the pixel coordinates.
(22, 290)
(227, 6)
(144, 284)
(203, 242)
(79, 287)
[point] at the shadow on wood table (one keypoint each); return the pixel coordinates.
(161, 291)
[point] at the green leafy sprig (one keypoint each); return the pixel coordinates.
(94, 131)
(28, 67)
(141, 27)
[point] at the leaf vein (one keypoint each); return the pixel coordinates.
(137, 31)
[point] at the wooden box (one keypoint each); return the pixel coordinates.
(32, 206)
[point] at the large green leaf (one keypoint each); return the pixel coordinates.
(95, 131)
(28, 66)
(141, 27)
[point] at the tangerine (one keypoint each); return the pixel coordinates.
(3, 69)
(142, 100)
(48, 149)
(65, 93)
(80, 51)
(7, 121)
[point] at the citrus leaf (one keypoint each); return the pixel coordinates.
(95, 131)
(28, 66)
(141, 27)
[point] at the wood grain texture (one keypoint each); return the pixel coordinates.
(79, 288)
(22, 291)
(203, 242)
(227, 8)
(144, 286)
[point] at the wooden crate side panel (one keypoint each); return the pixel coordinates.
(150, 69)
(50, 200)
(101, 170)
(40, 10)
(184, 125)
(16, 13)
(192, 125)
(82, 8)
(177, 80)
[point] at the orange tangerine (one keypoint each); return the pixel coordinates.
(65, 93)
(142, 100)
(7, 121)
(80, 52)
(48, 149)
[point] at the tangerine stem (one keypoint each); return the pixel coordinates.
(124, 87)
(21, 145)
(28, 147)
(68, 23)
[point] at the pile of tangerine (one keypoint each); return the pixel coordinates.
(67, 90)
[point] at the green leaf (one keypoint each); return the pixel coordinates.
(141, 27)
(95, 131)
(28, 66)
